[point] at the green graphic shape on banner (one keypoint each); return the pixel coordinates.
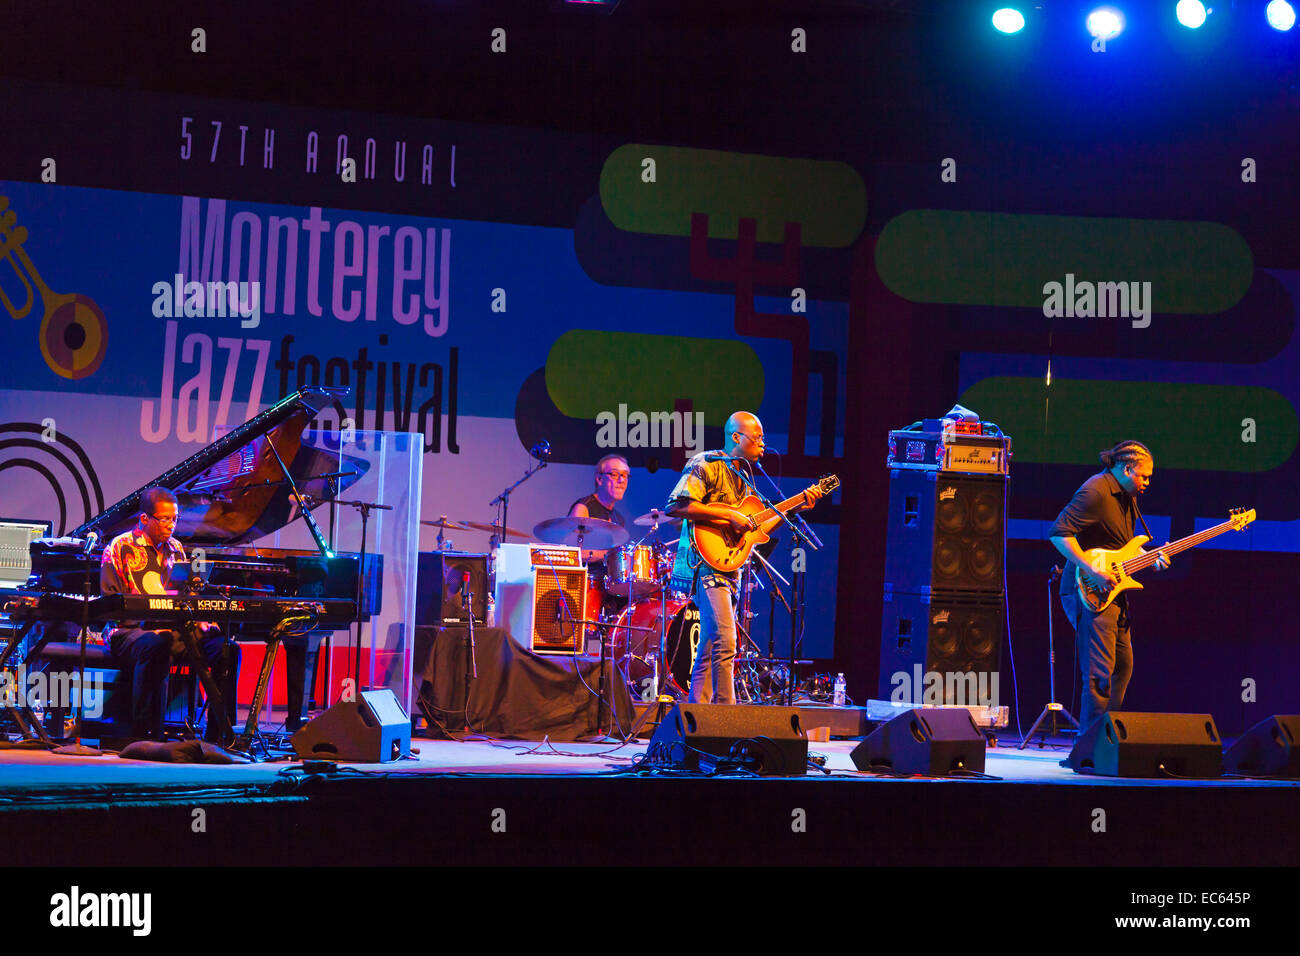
(1002, 259)
(1197, 427)
(827, 198)
(590, 371)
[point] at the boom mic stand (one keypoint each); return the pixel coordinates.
(1056, 710)
(365, 507)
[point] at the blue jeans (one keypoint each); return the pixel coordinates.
(1105, 655)
(712, 680)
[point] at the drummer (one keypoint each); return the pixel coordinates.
(612, 473)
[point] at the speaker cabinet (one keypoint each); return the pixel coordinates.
(930, 740)
(957, 636)
(947, 531)
(441, 585)
(372, 729)
(1133, 744)
(769, 740)
(541, 596)
(1267, 750)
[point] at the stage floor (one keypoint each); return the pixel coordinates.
(40, 770)
(519, 803)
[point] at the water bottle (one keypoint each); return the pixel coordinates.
(838, 697)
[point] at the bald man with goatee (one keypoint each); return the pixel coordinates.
(711, 485)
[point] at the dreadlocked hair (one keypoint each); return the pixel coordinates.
(1124, 453)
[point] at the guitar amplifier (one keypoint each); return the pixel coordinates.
(541, 596)
(949, 450)
(439, 596)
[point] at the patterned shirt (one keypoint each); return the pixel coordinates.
(708, 482)
(132, 564)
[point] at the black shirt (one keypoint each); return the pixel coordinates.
(1100, 515)
(596, 510)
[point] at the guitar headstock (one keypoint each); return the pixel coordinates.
(1240, 517)
(828, 483)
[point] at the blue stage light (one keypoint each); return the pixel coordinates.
(1190, 13)
(1105, 23)
(1281, 15)
(1008, 20)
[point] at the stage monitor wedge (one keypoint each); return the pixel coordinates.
(769, 740)
(1162, 746)
(372, 729)
(937, 741)
(1267, 750)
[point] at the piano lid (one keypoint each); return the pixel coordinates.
(233, 490)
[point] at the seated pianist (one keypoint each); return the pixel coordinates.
(139, 561)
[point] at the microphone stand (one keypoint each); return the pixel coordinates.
(78, 749)
(471, 663)
(1053, 708)
(794, 514)
(502, 501)
(797, 532)
(365, 507)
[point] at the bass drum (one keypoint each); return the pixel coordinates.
(636, 651)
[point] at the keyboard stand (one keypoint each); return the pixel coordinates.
(29, 725)
(252, 733)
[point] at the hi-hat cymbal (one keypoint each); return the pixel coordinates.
(444, 522)
(654, 516)
(591, 533)
(496, 529)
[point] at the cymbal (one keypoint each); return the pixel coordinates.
(654, 516)
(443, 522)
(496, 529)
(596, 534)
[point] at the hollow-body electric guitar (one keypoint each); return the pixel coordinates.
(1128, 560)
(725, 550)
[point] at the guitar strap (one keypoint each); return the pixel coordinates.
(1138, 511)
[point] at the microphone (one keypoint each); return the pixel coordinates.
(91, 540)
(541, 451)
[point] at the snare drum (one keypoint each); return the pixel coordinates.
(632, 567)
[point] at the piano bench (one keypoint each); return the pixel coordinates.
(59, 662)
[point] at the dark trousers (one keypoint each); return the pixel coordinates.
(149, 655)
(1105, 655)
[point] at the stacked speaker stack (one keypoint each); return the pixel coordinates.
(944, 608)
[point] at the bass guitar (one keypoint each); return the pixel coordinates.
(1128, 560)
(725, 550)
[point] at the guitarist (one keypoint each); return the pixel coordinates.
(710, 486)
(1101, 515)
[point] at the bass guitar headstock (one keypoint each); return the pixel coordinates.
(1240, 517)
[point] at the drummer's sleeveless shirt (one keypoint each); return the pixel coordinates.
(597, 510)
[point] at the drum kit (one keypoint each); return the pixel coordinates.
(634, 611)
(630, 602)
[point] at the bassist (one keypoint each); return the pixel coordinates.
(1102, 514)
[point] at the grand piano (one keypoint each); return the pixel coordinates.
(243, 487)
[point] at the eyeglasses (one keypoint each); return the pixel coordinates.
(164, 519)
(615, 475)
